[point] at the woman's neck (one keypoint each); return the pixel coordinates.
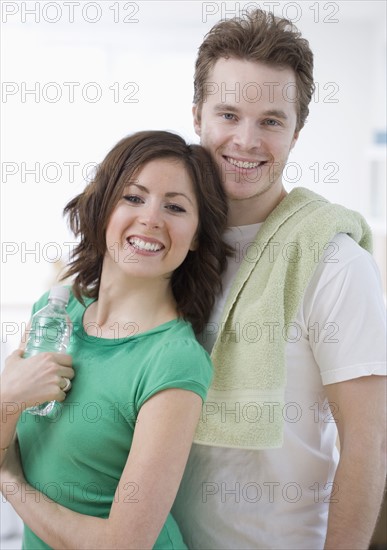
(137, 306)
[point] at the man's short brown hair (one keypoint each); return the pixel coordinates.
(258, 36)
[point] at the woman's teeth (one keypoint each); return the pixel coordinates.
(144, 245)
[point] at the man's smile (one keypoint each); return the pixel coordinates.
(244, 163)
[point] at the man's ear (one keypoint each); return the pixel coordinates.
(196, 112)
(294, 140)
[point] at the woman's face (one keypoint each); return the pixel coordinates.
(154, 224)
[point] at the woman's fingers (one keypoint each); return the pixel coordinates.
(67, 372)
(63, 359)
(36, 379)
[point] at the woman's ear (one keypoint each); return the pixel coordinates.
(194, 244)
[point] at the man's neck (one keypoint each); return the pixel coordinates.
(254, 209)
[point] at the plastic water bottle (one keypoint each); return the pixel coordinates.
(50, 331)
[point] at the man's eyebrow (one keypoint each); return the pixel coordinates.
(225, 107)
(170, 194)
(278, 113)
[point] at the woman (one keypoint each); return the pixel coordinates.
(103, 469)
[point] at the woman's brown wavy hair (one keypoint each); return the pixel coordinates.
(197, 280)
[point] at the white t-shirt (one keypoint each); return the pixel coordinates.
(279, 498)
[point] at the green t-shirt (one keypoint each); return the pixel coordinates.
(77, 453)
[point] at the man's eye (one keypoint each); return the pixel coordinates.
(134, 199)
(272, 122)
(229, 116)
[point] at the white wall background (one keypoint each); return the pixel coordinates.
(58, 57)
(49, 49)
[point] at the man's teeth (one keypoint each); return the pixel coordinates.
(144, 245)
(242, 164)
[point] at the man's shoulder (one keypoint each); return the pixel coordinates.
(344, 262)
(342, 248)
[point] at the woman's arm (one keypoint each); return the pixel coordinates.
(26, 382)
(162, 440)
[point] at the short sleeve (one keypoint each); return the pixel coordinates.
(181, 363)
(346, 314)
(43, 301)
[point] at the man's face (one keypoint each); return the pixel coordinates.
(248, 123)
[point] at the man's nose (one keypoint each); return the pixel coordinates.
(247, 136)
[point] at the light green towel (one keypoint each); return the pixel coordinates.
(245, 402)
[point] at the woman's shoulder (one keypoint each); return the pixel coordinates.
(177, 360)
(178, 337)
(178, 349)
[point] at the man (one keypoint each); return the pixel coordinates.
(297, 336)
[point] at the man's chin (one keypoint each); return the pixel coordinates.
(244, 191)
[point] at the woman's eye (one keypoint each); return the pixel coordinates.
(175, 208)
(134, 199)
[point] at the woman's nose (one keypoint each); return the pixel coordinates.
(152, 217)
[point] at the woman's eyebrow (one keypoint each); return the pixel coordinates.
(170, 194)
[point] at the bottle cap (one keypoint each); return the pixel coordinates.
(61, 293)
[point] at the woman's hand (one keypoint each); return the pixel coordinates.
(34, 380)
(28, 382)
